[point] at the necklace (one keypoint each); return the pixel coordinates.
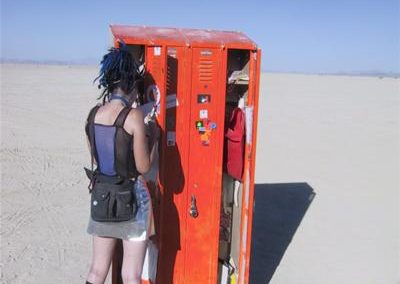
(121, 98)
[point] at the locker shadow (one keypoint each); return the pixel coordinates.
(173, 183)
(278, 211)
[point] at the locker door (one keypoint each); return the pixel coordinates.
(205, 167)
(175, 149)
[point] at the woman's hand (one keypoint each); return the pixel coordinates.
(145, 139)
(152, 132)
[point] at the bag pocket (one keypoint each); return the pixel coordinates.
(100, 204)
(125, 204)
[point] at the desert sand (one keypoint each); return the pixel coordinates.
(339, 134)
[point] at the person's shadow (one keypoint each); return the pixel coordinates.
(173, 182)
(277, 213)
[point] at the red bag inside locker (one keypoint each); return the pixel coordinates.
(235, 135)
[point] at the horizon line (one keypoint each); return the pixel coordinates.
(90, 62)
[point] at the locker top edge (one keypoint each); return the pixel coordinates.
(182, 37)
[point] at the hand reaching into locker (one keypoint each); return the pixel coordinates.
(152, 132)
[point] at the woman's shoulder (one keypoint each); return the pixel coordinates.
(135, 114)
(134, 119)
(92, 112)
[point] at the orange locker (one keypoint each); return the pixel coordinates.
(203, 215)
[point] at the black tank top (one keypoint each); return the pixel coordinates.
(112, 146)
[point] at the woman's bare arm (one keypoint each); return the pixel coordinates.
(140, 145)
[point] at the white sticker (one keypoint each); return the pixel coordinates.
(171, 101)
(157, 51)
(171, 138)
(206, 52)
(249, 123)
(203, 113)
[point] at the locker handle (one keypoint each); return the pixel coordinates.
(193, 207)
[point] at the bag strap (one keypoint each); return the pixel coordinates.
(90, 131)
(123, 114)
(92, 114)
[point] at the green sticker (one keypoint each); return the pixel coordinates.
(199, 124)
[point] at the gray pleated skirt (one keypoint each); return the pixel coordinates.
(139, 228)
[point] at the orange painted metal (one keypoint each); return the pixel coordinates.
(182, 37)
(205, 170)
(184, 63)
(175, 171)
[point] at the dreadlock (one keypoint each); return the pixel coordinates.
(118, 69)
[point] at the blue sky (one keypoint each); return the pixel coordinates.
(299, 36)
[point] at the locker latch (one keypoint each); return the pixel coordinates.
(193, 208)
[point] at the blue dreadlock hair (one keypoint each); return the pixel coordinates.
(118, 69)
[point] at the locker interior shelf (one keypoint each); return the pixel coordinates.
(240, 83)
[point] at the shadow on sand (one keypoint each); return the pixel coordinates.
(278, 211)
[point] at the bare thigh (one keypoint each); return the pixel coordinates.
(132, 264)
(103, 250)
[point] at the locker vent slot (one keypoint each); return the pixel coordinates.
(205, 70)
(172, 68)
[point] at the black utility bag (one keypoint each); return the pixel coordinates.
(112, 197)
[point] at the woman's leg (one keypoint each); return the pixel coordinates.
(132, 263)
(103, 249)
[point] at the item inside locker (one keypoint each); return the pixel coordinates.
(235, 102)
(237, 81)
(234, 143)
(231, 208)
(231, 202)
(238, 77)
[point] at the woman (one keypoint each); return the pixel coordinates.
(121, 151)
